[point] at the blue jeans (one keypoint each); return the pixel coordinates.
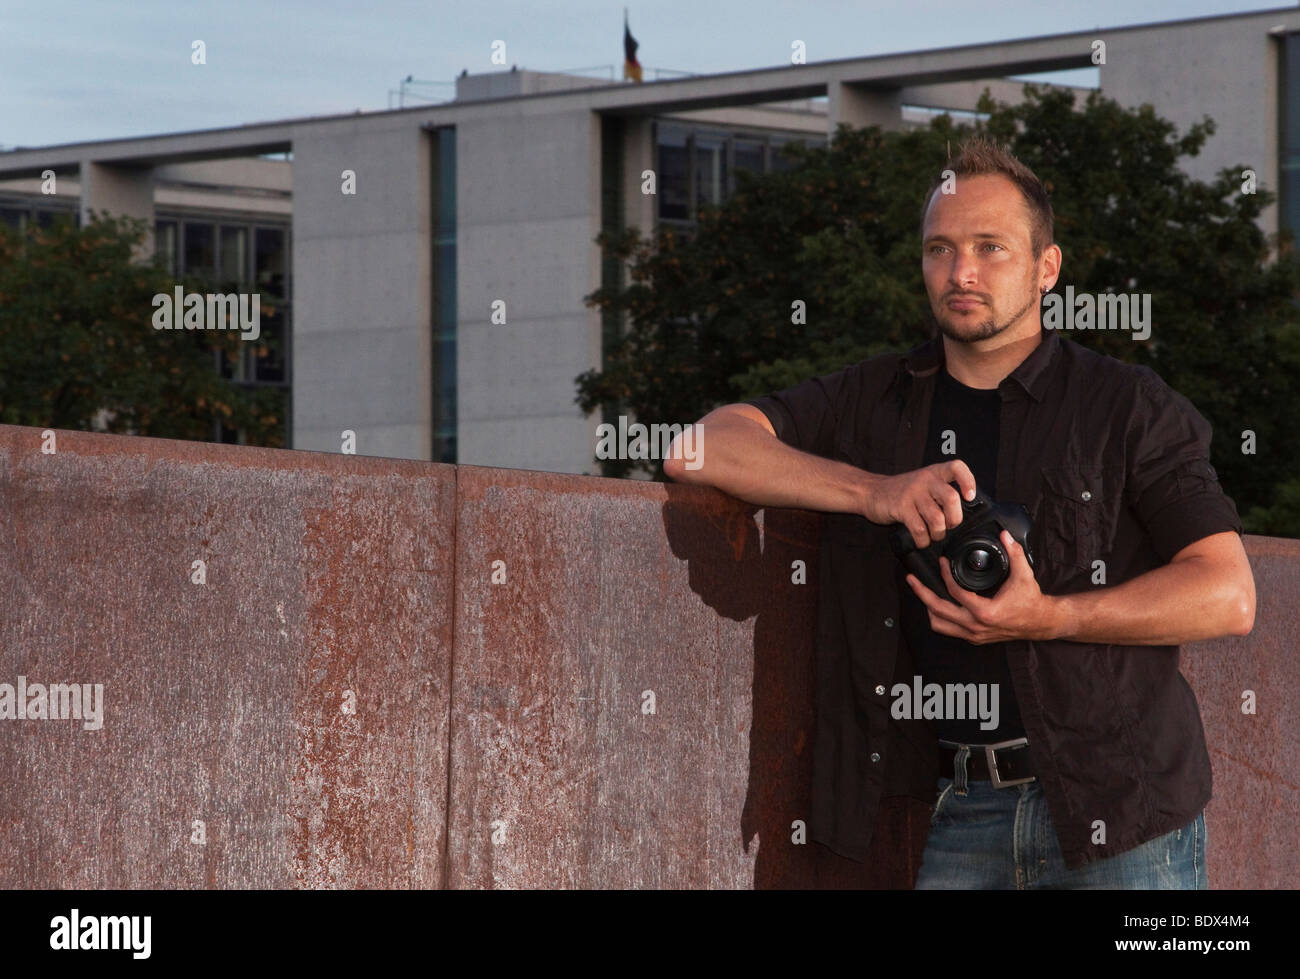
(1002, 839)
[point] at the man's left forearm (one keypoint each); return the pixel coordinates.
(1184, 601)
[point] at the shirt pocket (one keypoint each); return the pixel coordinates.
(1072, 514)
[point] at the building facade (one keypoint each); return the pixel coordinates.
(429, 264)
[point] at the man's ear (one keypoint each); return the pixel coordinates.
(1051, 267)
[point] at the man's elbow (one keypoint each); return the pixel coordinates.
(674, 466)
(1244, 606)
(680, 464)
(685, 456)
(1241, 604)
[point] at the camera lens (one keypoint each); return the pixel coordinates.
(980, 565)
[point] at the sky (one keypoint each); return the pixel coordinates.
(88, 70)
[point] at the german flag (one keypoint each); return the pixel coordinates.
(631, 67)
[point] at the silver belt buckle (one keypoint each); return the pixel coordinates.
(991, 759)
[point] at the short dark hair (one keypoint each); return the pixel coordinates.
(979, 156)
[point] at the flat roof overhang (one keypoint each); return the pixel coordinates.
(887, 72)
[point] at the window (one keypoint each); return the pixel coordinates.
(269, 262)
(674, 171)
(164, 241)
(710, 170)
(234, 258)
(229, 255)
(698, 165)
(444, 326)
(22, 214)
(1289, 142)
(200, 250)
(748, 154)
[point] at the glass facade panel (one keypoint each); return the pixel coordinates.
(779, 162)
(234, 258)
(200, 249)
(698, 165)
(748, 155)
(23, 214)
(1289, 137)
(674, 173)
(444, 324)
(268, 355)
(269, 262)
(710, 170)
(164, 242)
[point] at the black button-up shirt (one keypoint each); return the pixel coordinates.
(1113, 466)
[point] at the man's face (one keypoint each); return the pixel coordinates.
(979, 267)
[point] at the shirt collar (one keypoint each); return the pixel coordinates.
(1032, 374)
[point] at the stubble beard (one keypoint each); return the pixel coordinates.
(982, 330)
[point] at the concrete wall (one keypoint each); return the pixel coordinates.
(362, 267)
(401, 674)
(223, 701)
(249, 185)
(119, 190)
(1226, 69)
(528, 212)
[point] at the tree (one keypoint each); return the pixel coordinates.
(711, 316)
(78, 349)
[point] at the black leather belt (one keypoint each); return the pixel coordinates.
(1003, 763)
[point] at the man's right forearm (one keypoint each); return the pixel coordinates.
(740, 457)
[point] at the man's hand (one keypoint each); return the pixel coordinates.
(921, 500)
(1019, 610)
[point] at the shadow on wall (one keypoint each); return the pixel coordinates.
(741, 571)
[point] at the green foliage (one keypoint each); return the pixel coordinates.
(709, 315)
(76, 338)
(1282, 517)
(706, 308)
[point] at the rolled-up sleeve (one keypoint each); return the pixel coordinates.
(807, 416)
(1171, 484)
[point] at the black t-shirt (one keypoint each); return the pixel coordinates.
(972, 415)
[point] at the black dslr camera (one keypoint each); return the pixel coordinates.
(979, 561)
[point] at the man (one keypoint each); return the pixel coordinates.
(1098, 772)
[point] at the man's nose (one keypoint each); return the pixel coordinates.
(965, 272)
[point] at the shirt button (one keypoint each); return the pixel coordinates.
(1086, 496)
(889, 623)
(875, 756)
(880, 689)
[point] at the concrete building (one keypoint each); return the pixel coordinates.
(487, 208)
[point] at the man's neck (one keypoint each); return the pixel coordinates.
(986, 363)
